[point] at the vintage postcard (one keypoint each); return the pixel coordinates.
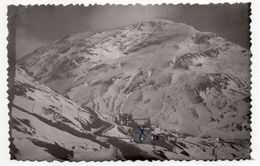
(136, 82)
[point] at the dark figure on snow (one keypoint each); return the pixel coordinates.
(142, 134)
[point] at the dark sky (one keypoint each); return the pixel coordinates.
(37, 26)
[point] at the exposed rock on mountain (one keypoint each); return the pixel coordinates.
(46, 125)
(181, 79)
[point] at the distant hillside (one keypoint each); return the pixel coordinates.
(50, 125)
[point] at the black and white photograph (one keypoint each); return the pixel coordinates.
(129, 82)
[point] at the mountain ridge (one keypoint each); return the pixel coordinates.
(182, 79)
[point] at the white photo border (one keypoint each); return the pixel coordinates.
(255, 91)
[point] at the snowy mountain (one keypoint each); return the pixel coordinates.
(183, 80)
(46, 125)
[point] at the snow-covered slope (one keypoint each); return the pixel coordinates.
(72, 57)
(46, 125)
(181, 79)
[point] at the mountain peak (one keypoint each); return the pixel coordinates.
(152, 24)
(152, 65)
(159, 20)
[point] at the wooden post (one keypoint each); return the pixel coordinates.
(175, 144)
